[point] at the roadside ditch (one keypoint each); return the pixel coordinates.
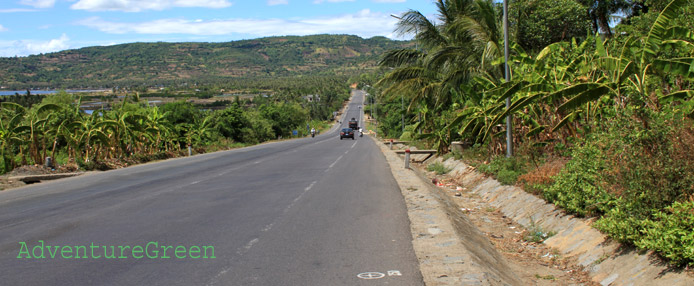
(502, 235)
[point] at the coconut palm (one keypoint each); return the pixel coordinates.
(456, 50)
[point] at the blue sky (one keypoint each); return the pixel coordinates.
(40, 26)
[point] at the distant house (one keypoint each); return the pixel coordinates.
(312, 97)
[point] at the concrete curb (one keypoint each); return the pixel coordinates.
(608, 262)
(450, 249)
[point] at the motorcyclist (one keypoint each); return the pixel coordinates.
(361, 132)
(313, 132)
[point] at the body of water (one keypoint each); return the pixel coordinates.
(23, 92)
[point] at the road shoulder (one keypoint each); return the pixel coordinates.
(437, 228)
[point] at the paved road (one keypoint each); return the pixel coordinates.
(312, 211)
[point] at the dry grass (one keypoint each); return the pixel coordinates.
(542, 175)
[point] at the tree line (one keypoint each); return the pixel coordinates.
(132, 130)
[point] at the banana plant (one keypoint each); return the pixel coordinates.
(91, 134)
(12, 134)
(625, 76)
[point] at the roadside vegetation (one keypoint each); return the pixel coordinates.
(603, 118)
(131, 130)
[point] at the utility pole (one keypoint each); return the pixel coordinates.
(402, 112)
(507, 76)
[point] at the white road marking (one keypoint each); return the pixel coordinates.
(310, 186)
(371, 275)
(355, 144)
(394, 273)
(193, 183)
(333, 164)
(268, 227)
(250, 244)
(300, 196)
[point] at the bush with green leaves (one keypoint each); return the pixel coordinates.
(671, 233)
(438, 168)
(578, 187)
(636, 176)
(506, 170)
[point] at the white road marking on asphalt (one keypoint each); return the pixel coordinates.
(193, 183)
(268, 227)
(228, 171)
(355, 144)
(250, 244)
(394, 273)
(371, 275)
(310, 186)
(299, 197)
(333, 164)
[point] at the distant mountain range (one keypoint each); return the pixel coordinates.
(151, 64)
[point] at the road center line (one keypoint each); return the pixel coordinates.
(250, 244)
(310, 186)
(355, 144)
(333, 164)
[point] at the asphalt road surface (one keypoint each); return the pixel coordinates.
(311, 211)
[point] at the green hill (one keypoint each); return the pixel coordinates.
(204, 63)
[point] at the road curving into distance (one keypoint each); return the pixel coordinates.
(310, 211)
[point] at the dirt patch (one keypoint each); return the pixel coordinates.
(531, 260)
(7, 183)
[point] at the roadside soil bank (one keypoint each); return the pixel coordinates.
(460, 239)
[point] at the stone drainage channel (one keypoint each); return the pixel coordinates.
(454, 252)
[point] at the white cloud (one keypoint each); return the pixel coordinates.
(2, 29)
(16, 10)
(364, 23)
(31, 47)
(142, 5)
(39, 3)
(277, 2)
(389, 1)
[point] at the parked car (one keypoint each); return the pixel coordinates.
(347, 133)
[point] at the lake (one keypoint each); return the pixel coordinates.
(23, 92)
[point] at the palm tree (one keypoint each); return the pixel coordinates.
(463, 45)
(601, 11)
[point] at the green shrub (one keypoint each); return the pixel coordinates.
(505, 170)
(438, 168)
(578, 188)
(636, 175)
(620, 224)
(671, 233)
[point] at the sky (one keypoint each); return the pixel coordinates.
(29, 27)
